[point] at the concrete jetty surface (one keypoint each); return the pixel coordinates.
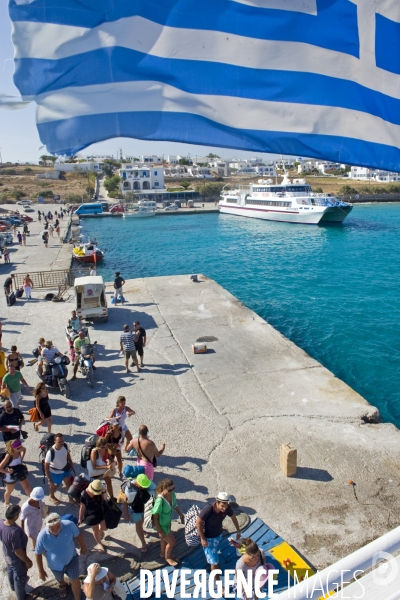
(223, 415)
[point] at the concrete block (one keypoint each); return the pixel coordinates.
(288, 460)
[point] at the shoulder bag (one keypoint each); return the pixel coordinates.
(154, 461)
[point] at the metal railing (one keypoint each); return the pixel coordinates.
(49, 279)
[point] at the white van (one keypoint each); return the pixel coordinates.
(90, 295)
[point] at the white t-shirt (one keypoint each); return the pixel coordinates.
(49, 353)
(59, 462)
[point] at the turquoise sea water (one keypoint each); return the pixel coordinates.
(333, 291)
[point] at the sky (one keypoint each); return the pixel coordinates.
(20, 142)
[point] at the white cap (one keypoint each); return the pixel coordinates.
(37, 493)
(102, 573)
(223, 497)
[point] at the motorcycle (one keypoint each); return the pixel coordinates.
(55, 374)
(86, 363)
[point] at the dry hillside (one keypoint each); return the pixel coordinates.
(20, 182)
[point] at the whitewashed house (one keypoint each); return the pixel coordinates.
(135, 178)
(365, 174)
(79, 166)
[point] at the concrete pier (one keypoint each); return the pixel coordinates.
(224, 414)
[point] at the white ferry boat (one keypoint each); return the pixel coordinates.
(289, 202)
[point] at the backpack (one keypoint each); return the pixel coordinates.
(70, 517)
(75, 490)
(192, 537)
(130, 490)
(103, 429)
(90, 443)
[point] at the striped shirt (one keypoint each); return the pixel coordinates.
(128, 341)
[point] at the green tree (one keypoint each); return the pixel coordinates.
(210, 191)
(211, 155)
(112, 183)
(18, 194)
(185, 185)
(347, 190)
(318, 190)
(184, 161)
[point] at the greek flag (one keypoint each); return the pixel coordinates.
(316, 78)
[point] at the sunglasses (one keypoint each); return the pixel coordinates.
(52, 521)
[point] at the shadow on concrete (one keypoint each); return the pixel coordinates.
(178, 462)
(119, 315)
(313, 474)
(164, 369)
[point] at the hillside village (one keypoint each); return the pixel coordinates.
(74, 179)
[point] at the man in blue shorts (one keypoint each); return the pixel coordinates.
(58, 466)
(209, 526)
(56, 542)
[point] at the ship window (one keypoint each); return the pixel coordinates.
(232, 200)
(279, 203)
(298, 188)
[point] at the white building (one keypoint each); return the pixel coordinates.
(238, 164)
(79, 166)
(172, 160)
(200, 172)
(266, 170)
(377, 175)
(220, 167)
(153, 159)
(325, 167)
(135, 178)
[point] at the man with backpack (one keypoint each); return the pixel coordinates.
(58, 465)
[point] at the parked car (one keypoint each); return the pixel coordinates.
(6, 238)
(5, 224)
(26, 218)
(23, 202)
(171, 207)
(117, 208)
(14, 221)
(29, 209)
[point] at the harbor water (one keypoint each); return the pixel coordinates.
(334, 290)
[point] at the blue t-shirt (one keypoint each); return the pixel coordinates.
(59, 550)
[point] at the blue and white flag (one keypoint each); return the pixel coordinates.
(317, 78)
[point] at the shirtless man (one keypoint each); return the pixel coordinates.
(146, 450)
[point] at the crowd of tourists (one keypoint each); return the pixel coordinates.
(101, 489)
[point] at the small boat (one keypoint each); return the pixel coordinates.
(145, 208)
(86, 253)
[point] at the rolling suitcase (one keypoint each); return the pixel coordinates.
(19, 293)
(11, 299)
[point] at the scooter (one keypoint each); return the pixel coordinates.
(86, 363)
(55, 374)
(71, 335)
